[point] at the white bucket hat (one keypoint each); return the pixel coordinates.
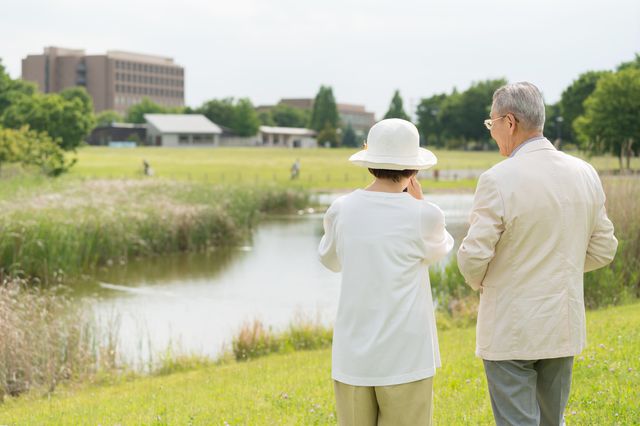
(394, 144)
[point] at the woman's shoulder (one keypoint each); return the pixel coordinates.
(430, 212)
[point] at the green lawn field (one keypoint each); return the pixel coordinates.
(320, 168)
(296, 389)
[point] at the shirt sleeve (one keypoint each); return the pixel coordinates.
(602, 243)
(486, 227)
(328, 245)
(437, 242)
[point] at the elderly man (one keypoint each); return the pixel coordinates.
(538, 223)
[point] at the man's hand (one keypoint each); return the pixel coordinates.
(415, 189)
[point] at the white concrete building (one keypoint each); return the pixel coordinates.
(288, 137)
(186, 130)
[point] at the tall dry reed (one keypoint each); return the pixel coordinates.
(46, 338)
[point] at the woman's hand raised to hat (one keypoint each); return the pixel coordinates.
(415, 189)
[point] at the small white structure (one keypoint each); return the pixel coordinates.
(289, 137)
(181, 130)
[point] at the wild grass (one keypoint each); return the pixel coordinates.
(620, 281)
(46, 338)
(70, 227)
(254, 339)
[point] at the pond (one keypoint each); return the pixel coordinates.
(196, 302)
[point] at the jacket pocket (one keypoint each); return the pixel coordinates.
(541, 323)
(486, 318)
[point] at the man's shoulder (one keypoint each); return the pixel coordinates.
(503, 166)
(509, 165)
(577, 162)
(494, 173)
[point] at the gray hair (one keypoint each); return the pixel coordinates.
(522, 99)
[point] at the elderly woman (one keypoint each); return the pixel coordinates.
(382, 238)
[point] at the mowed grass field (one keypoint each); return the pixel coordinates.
(296, 389)
(321, 169)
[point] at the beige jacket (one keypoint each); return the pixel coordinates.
(538, 223)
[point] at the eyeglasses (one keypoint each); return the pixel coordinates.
(488, 123)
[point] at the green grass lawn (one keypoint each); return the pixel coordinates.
(296, 388)
(320, 168)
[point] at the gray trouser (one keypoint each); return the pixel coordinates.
(529, 392)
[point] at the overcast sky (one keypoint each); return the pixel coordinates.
(269, 49)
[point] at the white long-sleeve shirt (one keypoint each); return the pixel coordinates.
(385, 331)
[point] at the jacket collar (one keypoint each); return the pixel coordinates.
(534, 145)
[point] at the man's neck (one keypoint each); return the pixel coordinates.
(524, 138)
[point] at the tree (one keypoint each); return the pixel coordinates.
(450, 120)
(287, 116)
(67, 121)
(135, 114)
(239, 116)
(11, 90)
(81, 94)
(107, 117)
(349, 137)
(32, 148)
(220, 111)
(245, 119)
(635, 63)
(552, 127)
(611, 120)
(572, 100)
(266, 119)
(476, 102)
(428, 114)
(325, 110)
(462, 114)
(396, 110)
(328, 134)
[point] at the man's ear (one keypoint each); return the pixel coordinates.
(512, 124)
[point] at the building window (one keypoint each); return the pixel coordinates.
(183, 139)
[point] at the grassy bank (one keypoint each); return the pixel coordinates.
(53, 228)
(295, 388)
(320, 168)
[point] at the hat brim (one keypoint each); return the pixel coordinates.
(425, 160)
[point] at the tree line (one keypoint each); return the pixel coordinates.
(599, 112)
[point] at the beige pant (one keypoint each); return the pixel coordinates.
(397, 405)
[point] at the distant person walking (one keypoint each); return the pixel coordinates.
(385, 345)
(538, 223)
(295, 169)
(146, 168)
